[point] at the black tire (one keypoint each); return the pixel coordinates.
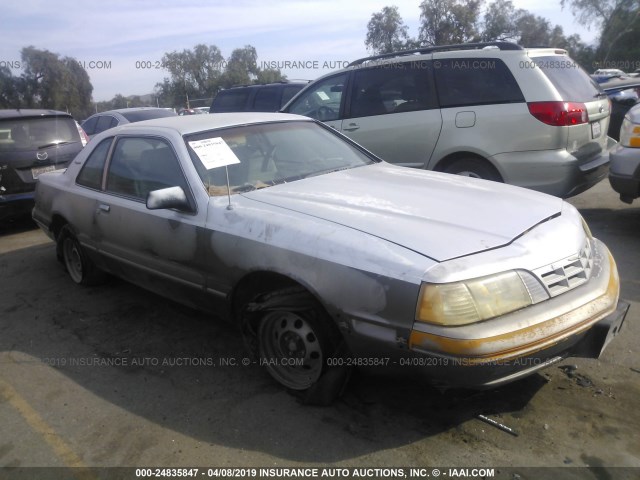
(299, 345)
(78, 265)
(475, 168)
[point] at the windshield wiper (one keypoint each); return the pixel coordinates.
(325, 172)
(53, 144)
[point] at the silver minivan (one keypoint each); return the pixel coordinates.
(498, 111)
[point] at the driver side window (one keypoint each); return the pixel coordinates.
(322, 102)
(140, 165)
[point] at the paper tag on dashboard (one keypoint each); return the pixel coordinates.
(214, 152)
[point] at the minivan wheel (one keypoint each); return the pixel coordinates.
(469, 167)
(80, 268)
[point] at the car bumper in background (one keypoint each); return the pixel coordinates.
(555, 172)
(624, 174)
(16, 204)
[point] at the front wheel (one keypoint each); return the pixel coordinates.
(293, 347)
(296, 342)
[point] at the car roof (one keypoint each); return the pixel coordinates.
(128, 110)
(272, 84)
(197, 123)
(31, 112)
(615, 84)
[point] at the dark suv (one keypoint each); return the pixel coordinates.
(269, 97)
(32, 142)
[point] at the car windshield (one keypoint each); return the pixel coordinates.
(258, 156)
(34, 133)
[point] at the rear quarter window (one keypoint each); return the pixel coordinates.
(91, 174)
(571, 81)
(475, 81)
(90, 125)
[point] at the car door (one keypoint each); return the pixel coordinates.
(392, 111)
(323, 100)
(154, 248)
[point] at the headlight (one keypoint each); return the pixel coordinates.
(461, 303)
(630, 134)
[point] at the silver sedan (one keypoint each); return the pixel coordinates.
(327, 258)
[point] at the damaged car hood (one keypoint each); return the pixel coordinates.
(438, 215)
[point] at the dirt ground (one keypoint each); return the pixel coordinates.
(116, 376)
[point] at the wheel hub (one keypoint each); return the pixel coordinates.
(293, 344)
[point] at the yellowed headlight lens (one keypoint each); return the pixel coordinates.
(462, 303)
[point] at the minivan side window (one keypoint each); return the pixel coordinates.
(392, 88)
(231, 100)
(475, 81)
(288, 92)
(322, 101)
(267, 99)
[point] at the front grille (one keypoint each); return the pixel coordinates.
(568, 273)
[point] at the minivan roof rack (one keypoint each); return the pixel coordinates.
(439, 48)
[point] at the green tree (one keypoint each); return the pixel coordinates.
(500, 21)
(617, 20)
(9, 96)
(446, 22)
(241, 68)
(203, 71)
(386, 32)
(533, 30)
(49, 81)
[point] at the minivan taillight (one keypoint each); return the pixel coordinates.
(559, 114)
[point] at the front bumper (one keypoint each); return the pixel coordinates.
(467, 373)
(580, 322)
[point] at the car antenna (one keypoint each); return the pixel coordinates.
(226, 171)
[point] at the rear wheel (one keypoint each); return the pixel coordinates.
(80, 268)
(475, 168)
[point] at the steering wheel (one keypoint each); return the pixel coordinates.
(325, 113)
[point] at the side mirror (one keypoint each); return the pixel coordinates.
(165, 198)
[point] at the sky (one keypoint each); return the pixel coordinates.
(121, 42)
